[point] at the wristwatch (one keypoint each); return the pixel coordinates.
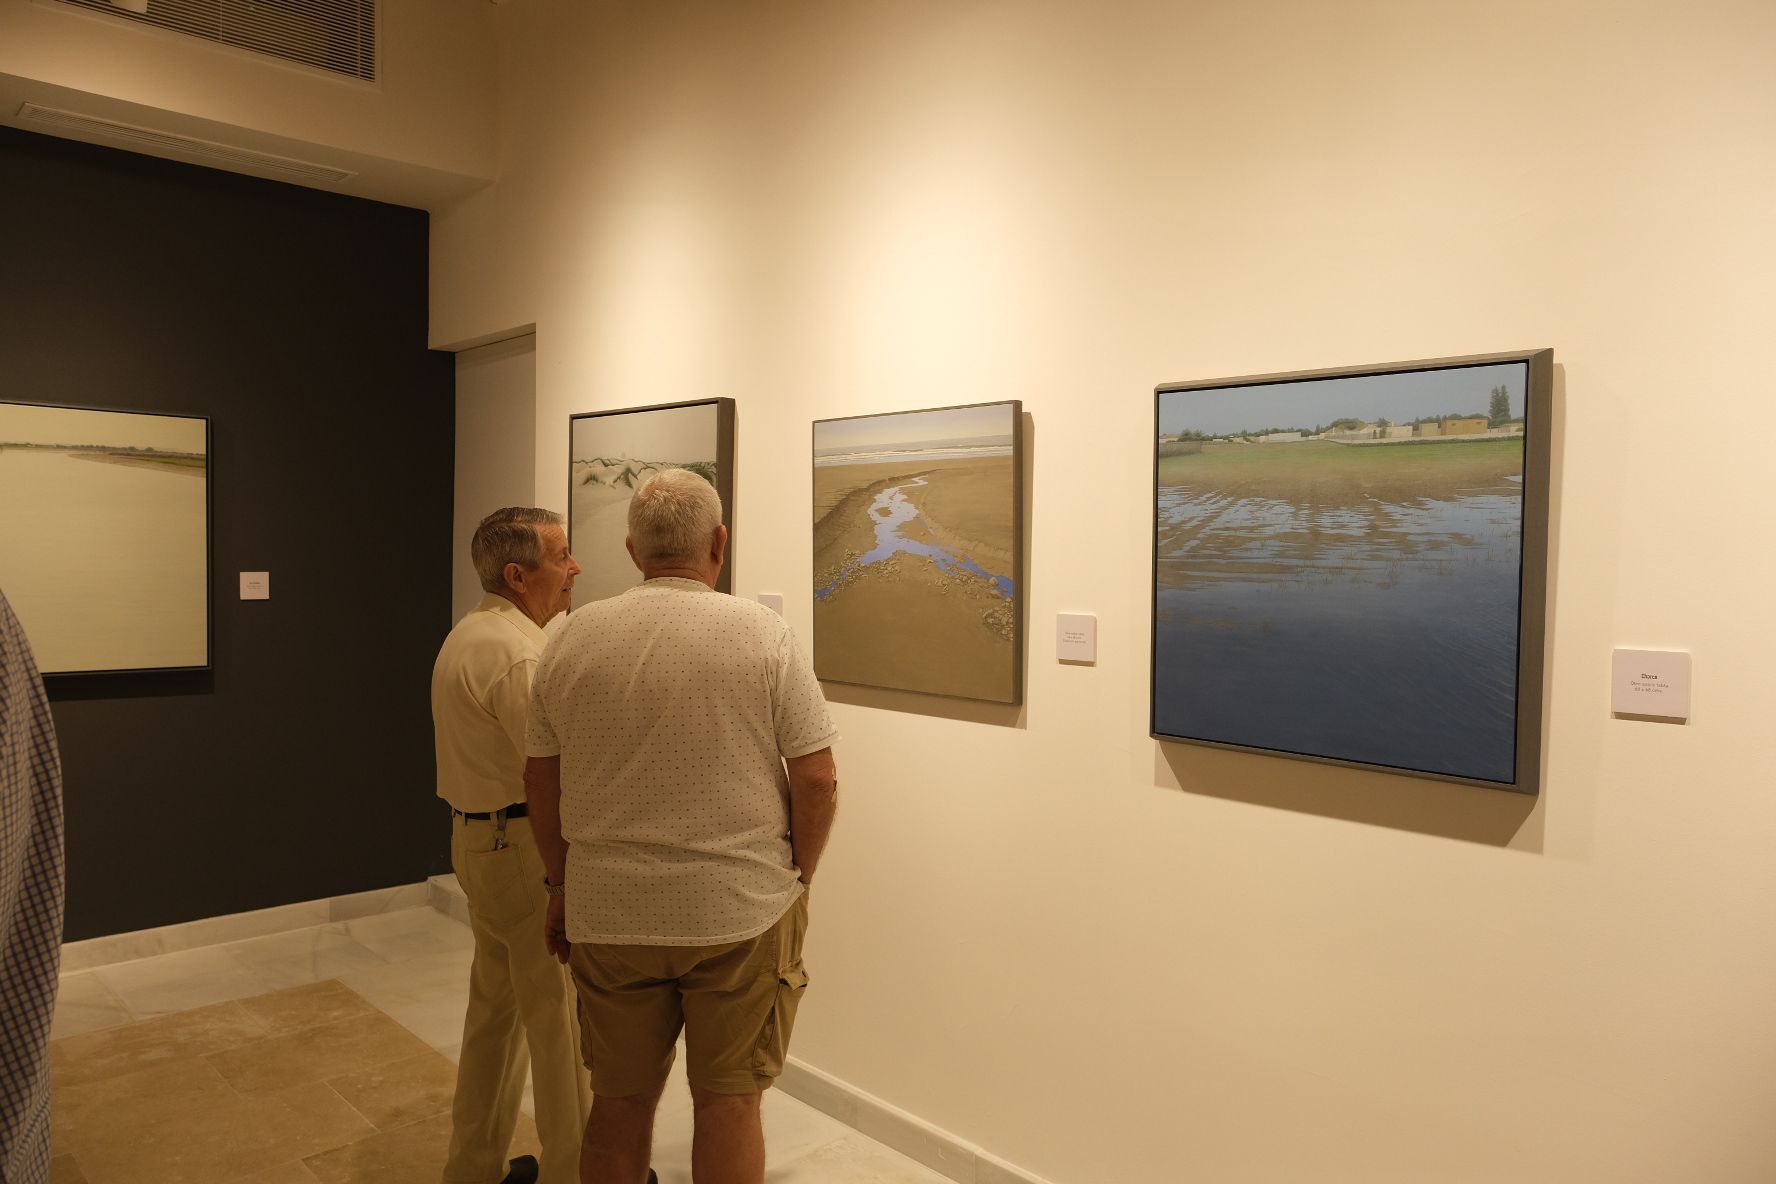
(554, 889)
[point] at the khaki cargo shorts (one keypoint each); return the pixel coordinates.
(736, 1005)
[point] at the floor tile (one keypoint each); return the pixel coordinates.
(412, 1154)
(400, 1092)
(227, 1136)
(65, 1169)
(118, 1051)
(170, 983)
(427, 994)
(316, 1054)
(303, 956)
(854, 1159)
(346, 1080)
(296, 1008)
(85, 1004)
(286, 1173)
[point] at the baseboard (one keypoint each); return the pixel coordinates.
(943, 1152)
(211, 931)
(446, 895)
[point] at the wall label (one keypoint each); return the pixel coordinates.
(1651, 682)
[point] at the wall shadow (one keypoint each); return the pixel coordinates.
(1496, 818)
(999, 715)
(147, 684)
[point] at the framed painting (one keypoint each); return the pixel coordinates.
(105, 536)
(918, 551)
(612, 452)
(1351, 565)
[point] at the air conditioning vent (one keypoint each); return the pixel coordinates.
(77, 126)
(335, 35)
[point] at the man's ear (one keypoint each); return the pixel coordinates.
(718, 545)
(514, 574)
(629, 546)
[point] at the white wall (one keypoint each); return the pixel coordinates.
(1101, 958)
(495, 448)
(422, 133)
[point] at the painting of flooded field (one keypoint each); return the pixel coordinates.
(918, 551)
(612, 452)
(104, 536)
(1339, 567)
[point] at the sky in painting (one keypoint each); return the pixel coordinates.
(1400, 398)
(25, 423)
(670, 434)
(915, 427)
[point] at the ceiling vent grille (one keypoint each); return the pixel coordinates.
(71, 123)
(334, 35)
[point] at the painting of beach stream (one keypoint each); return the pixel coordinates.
(916, 551)
(1337, 568)
(104, 537)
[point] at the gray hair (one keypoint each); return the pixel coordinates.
(507, 536)
(674, 515)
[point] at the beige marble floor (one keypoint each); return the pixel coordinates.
(325, 1054)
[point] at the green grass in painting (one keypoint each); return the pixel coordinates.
(1322, 471)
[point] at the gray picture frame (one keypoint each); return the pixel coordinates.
(1194, 636)
(606, 567)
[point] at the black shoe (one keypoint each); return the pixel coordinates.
(523, 1171)
(652, 1179)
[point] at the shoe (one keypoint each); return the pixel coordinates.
(652, 1179)
(523, 1171)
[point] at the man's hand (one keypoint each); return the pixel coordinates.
(555, 929)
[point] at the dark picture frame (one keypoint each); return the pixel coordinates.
(106, 549)
(940, 610)
(1336, 554)
(603, 472)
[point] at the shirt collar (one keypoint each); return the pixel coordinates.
(684, 582)
(493, 602)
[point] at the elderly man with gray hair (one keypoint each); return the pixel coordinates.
(521, 1010)
(682, 788)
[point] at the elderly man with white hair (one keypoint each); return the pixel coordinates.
(682, 788)
(520, 1019)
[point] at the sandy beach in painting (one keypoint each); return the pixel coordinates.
(937, 611)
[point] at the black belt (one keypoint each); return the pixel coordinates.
(515, 810)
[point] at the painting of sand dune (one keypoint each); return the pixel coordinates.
(1346, 568)
(918, 551)
(611, 453)
(104, 536)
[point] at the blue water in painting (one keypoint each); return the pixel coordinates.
(1384, 633)
(892, 510)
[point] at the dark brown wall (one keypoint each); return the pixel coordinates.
(299, 767)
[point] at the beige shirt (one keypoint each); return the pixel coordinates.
(480, 699)
(672, 708)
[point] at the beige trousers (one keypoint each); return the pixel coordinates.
(521, 1015)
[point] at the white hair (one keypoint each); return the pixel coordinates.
(674, 515)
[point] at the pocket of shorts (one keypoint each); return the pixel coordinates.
(773, 1046)
(496, 885)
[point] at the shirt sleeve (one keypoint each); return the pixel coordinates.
(799, 708)
(509, 700)
(539, 738)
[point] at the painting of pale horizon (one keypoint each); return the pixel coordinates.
(104, 537)
(1338, 567)
(613, 452)
(917, 551)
